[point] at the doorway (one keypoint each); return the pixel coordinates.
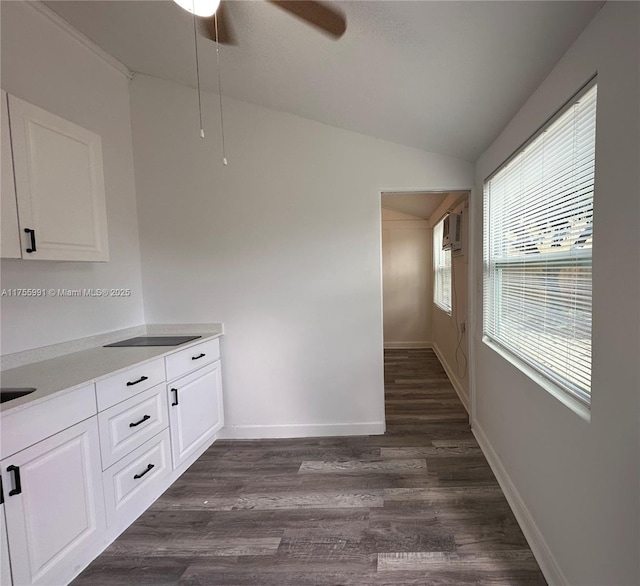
(414, 266)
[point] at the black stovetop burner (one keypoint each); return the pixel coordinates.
(153, 341)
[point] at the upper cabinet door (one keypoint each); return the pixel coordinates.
(59, 184)
(9, 236)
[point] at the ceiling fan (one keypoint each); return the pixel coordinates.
(211, 21)
(319, 15)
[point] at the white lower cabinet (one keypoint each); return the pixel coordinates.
(80, 467)
(54, 505)
(195, 411)
(5, 567)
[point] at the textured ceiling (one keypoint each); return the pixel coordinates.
(441, 76)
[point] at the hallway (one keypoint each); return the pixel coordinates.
(417, 506)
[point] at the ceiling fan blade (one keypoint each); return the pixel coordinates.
(330, 20)
(207, 26)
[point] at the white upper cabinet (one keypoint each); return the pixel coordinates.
(9, 236)
(59, 185)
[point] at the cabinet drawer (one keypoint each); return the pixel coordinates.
(117, 388)
(129, 424)
(23, 428)
(132, 484)
(190, 359)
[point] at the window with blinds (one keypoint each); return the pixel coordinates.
(538, 234)
(442, 270)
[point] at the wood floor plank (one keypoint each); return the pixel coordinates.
(452, 443)
(279, 500)
(456, 496)
(191, 546)
(418, 505)
(434, 560)
(311, 500)
(400, 466)
(288, 454)
(429, 452)
(125, 571)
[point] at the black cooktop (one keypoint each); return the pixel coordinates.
(153, 341)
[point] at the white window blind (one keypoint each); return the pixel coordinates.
(538, 233)
(442, 270)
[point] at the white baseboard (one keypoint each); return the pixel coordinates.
(537, 543)
(301, 430)
(453, 378)
(406, 345)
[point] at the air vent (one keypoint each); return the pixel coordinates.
(452, 232)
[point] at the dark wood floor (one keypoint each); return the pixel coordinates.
(417, 506)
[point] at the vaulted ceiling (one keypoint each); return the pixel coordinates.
(419, 204)
(441, 76)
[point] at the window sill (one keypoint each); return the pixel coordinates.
(443, 309)
(579, 408)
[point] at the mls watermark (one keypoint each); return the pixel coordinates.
(35, 292)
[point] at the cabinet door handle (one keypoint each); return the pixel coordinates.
(1, 492)
(149, 468)
(135, 382)
(196, 357)
(175, 398)
(145, 418)
(16, 480)
(31, 233)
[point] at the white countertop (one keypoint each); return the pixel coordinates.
(73, 370)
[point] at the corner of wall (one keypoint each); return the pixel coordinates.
(455, 381)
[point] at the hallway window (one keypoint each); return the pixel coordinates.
(441, 270)
(538, 233)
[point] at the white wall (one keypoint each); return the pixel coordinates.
(577, 481)
(450, 343)
(283, 246)
(45, 66)
(406, 280)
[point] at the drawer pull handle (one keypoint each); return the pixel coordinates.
(135, 382)
(16, 480)
(175, 392)
(32, 234)
(149, 468)
(197, 357)
(145, 418)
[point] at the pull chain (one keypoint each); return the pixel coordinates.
(195, 40)
(224, 156)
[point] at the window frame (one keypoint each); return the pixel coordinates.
(441, 270)
(563, 389)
